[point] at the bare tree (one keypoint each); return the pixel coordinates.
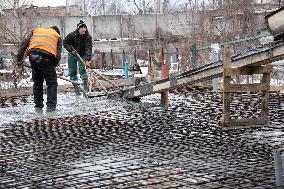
(99, 7)
(141, 7)
(16, 21)
(230, 20)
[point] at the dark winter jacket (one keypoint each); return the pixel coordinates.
(81, 43)
(43, 53)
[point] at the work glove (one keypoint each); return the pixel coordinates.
(88, 63)
(74, 52)
(56, 63)
(58, 74)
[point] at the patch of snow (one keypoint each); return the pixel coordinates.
(142, 62)
(144, 70)
(278, 63)
(174, 67)
(8, 44)
(140, 75)
(114, 72)
(5, 71)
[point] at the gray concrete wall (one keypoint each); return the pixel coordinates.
(120, 26)
(138, 26)
(117, 26)
(107, 27)
(176, 24)
(48, 22)
(146, 26)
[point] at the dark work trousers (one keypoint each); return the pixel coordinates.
(43, 69)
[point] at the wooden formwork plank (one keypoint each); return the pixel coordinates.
(276, 88)
(265, 97)
(264, 57)
(245, 122)
(226, 83)
(261, 58)
(252, 87)
(226, 109)
(234, 88)
(247, 70)
(264, 105)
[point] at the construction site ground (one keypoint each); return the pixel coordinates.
(104, 143)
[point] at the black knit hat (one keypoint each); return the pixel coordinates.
(56, 29)
(81, 24)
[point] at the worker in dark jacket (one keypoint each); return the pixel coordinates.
(79, 42)
(44, 47)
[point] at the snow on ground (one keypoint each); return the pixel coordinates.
(278, 63)
(6, 71)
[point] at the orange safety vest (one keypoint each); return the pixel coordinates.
(45, 39)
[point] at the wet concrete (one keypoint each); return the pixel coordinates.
(98, 143)
(22, 108)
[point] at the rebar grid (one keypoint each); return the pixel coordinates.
(181, 148)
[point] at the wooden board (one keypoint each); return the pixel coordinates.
(262, 58)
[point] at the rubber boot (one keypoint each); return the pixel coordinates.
(51, 109)
(77, 89)
(85, 84)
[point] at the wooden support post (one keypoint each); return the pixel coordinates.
(101, 61)
(165, 93)
(112, 59)
(226, 82)
(265, 97)
(177, 59)
(165, 69)
(177, 54)
(229, 88)
(104, 60)
(92, 82)
(150, 66)
(160, 60)
(123, 58)
(135, 56)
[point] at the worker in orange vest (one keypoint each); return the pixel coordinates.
(44, 47)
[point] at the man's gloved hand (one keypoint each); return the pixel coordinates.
(56, 63)
(74, 52)
(59, 71)
(88, 63)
